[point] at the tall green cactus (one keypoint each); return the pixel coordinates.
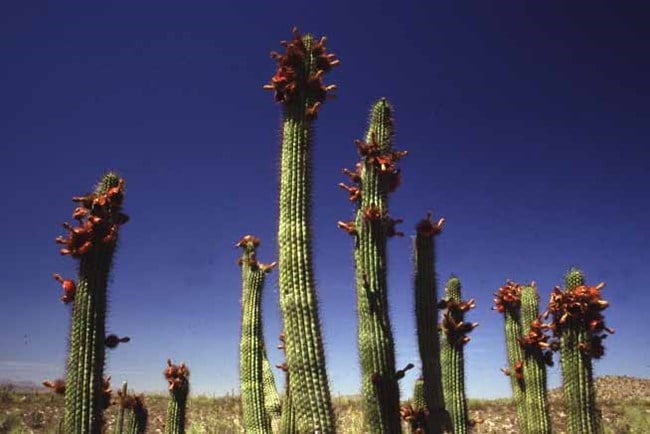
(177, 377)
(508, 302)
(454, 337)
(537, 355)
(580, 326)
(376, 176)
(288, 417)
(299, 86)
(252, 350)
(426, 314)
(93, 242)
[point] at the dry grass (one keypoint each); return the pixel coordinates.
(624, 402)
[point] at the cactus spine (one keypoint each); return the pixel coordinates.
(426, 314)
(179, 387)
(508, 302)
(298, 84)
(536, 356)
(376, 176)
(93, 242)
(454, 338)
(252, 351)
(580, 326)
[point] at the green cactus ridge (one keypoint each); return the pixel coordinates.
(508, 302)
(535, 360)
(454, 337)
(119, 422)
(298, 84)
(252, 349)
(178, 378)
(93, 243)
(426, 314)
(372, 226)
(577, 370)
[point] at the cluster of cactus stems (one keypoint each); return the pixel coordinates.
(454, 337)
(439, 402)
(375, 176)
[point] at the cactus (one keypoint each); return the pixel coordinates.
(298, 85)
(426, 313)
(272, 403)
(132, 413)
(93, 242)
(454, 337)
(416, 413)
(177, 377)
(508, 302)
(580, 326)
(376, 176)
(537, 355)
(252, 352)
(288, 417)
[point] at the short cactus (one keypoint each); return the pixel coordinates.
(454, 337)
(537, 354)
(92, 241)
(508, 302)
(298, 84)
(580, 327)
(426, 314)
(252, 351)
(416, 413)
(132, 413)
(177, 377)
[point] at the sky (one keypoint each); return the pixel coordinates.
(526, 126)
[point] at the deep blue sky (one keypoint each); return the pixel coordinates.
(526, 125)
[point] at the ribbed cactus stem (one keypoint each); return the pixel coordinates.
(536, 357)
(454, 337)
(298, 84)
(508, 302)
(272, 403)
(136, 418)
(93, 242)
(178, 378)
(252, 350)
(376, 176)
(426, 314)
(580, 326)
(119, 421)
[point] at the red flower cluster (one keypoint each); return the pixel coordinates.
(427, 228)
(582, 306)
(98, 218)
(57, 386)
(176, 376)
(455, 328)
(69, 288)
(417, 419)
(536, 342)
(508, 297)
(291, 77)
(386, 162)
(519, 371)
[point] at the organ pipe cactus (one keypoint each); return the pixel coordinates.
(132, 413)
(375, 176)
(537, 354)
(454, 337)
(92, 241)
(252, 351)
(177, 377)
(298, 85)
(426, 314)
(416, 413)
(508, 302)
(272, 403)
(580, 327)
(288, 418)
